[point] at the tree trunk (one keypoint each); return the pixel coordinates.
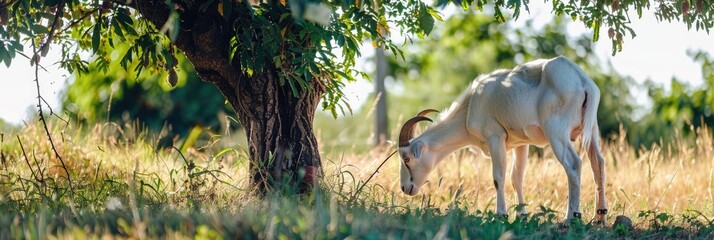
(279, 126)
(283, 148)
(380, 94)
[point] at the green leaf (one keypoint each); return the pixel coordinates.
(127, 59)
(227, 9)
(4, 56)
(498, 15)
(426, 21)
(96, 37)
(117, 30)
(293, 87)
(516, 6)
(124, 18)
(11, 52)
(596, 28)
(342, 74)
(434, 14)
(278, 61)
(127, 25)
(168, 58)
(40, 29)
(17, 46)
(465, 5)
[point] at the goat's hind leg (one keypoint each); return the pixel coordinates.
(558, 136)
(517, 174)
(597, 162)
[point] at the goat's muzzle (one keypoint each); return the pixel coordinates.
(409, 190)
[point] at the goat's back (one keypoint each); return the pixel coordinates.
(521, 99)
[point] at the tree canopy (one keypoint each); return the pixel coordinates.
(76, 26)
(300, 49)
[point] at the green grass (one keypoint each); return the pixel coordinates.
(122, 187)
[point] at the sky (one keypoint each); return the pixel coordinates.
(18, 91)
(659, 52)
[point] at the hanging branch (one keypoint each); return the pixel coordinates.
(44, 48)
(44, 122)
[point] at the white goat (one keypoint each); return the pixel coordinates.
(547, 101)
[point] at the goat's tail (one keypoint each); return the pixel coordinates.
(590, 133)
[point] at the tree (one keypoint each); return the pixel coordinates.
(678, 112)
(5, 127)
(380, 96)
(272, 68)
(271, 65)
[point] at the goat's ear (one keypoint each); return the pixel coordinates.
(417, 147)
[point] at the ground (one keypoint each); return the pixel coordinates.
(125, 188)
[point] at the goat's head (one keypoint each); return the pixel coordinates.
(416, 162)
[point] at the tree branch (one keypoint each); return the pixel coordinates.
(44, 123)
(80, 19)
(58, 15)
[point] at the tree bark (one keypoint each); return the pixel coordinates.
(279, 126)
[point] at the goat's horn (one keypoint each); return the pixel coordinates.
(407, 131)
(426, 111)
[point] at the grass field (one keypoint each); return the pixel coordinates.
(124, 188)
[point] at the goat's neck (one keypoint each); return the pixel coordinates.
(446, 136)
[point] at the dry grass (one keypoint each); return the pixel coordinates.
(106, 160)
(111, 163)
(676, 180)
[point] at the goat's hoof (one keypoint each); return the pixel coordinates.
(600, 217)
(502, 216)
(601, 211)
(577, 215)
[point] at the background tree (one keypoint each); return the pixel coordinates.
(5, 127)
(678, 111)
(272, 67)
(381, 118)
(124, 97)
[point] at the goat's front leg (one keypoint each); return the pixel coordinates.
(497, 148)
(517, 174)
